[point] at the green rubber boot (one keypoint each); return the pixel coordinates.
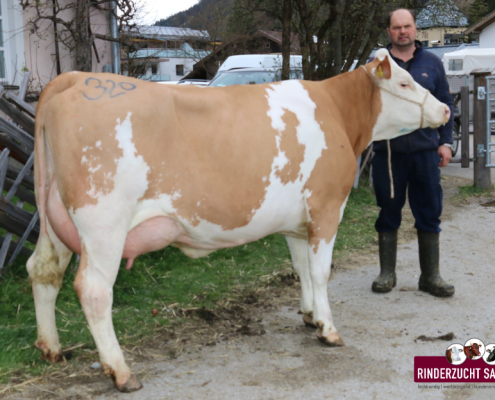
(387, 248)
(429, 255)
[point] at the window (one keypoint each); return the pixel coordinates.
(2, 48)
(425, 43)
(179, 70)
(455, 65)
(154, 69)
(267, 45)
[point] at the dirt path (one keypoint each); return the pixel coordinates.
(287, 362)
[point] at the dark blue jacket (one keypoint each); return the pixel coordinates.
(427, 70)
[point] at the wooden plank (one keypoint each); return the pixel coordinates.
(25, 252)
(4, 249)
(17, 134)
(16, 151)
(26, 122)
(22, 174)
(482, 173)
(22, 193)
(4, 164)
(465, 127)
(16, 220)
(20, 103)
(27, 181)
(20, 245)
(24, 85)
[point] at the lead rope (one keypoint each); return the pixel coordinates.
(421, 105)
(392, 195)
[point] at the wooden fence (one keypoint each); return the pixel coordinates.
(17, 224)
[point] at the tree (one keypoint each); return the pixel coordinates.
(71, 23)
(332, 33)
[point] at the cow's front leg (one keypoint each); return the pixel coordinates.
(300, 261)
(46, 268)
(94, 282)
(320, 260)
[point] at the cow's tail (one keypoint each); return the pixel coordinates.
(43, 266)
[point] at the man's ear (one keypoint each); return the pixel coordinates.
(383, 69)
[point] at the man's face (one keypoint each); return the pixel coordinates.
(402, 30)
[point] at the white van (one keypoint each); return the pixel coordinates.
(257, 61)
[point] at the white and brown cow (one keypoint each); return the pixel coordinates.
(124, 167)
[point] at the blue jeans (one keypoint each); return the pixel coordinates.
(419, 174)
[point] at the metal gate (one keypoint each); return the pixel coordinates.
(490, 116)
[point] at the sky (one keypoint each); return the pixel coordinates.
(160, 9)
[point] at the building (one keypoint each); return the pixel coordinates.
(164, 53)
(485, 29)
(441, 26)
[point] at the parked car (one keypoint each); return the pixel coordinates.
(256, 61)
(252, 76)
(197, 82)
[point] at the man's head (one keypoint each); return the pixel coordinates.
(402, 28)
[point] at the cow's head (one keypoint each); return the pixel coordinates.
(406, 105)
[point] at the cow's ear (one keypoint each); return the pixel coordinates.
(384, 70)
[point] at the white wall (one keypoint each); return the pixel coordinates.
(169, 67)
(13, 41)
(487, 36)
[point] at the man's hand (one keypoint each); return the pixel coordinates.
(445, 153)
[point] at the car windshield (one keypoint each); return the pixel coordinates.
(249, 77)
(245, 78)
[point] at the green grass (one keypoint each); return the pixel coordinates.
(155, 281)
(473, 191)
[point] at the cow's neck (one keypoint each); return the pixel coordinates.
(359, 103)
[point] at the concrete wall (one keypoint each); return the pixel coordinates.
(487, 36)
(40, 48)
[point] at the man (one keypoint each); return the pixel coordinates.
(415, 162)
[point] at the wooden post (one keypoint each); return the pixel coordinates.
(482, 176)
(464, 127)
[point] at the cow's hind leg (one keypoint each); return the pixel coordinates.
(46, 269)
(300, 261)
(100, 260)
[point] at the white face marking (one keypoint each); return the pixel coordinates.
(400, 116)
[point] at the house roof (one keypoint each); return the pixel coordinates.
(447, 14)
(277, 37)
(169, 33)
(480, 25)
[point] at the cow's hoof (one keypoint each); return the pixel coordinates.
(331, 339)
(49, 355)
(308, 319)
(131, 385)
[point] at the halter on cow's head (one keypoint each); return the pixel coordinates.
(406, 105)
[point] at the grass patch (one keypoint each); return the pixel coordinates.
(158, 280)
(473, 191)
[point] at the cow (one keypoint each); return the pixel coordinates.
(124, 167)
(491, 356)
(472, 350)
(448, 354)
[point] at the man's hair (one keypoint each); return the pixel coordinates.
(389, 19)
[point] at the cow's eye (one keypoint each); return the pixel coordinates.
(404, 84)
